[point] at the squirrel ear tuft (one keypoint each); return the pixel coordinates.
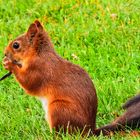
(38, 24)
(32, 30)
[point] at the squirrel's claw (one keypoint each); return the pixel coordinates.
(7, 63)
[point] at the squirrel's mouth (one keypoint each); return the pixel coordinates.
(18, 63)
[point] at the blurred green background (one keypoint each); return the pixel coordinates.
(99, 35)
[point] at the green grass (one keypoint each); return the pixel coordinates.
(101, 36)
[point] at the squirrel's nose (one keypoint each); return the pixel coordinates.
(7, 54)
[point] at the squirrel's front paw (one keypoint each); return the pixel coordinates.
(7, 63)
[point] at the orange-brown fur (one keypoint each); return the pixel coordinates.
(72, 100)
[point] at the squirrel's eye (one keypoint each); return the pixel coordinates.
(16, 45)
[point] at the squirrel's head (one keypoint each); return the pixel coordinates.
(24, 47)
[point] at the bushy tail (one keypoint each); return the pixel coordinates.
(129, 119)
(132, 102)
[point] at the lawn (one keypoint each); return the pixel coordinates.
(101, 36)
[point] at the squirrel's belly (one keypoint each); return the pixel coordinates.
(45, 106)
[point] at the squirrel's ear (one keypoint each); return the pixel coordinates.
(38, 24)
(32, 31)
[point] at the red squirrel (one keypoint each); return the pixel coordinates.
(67, 92)
(65, 89)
